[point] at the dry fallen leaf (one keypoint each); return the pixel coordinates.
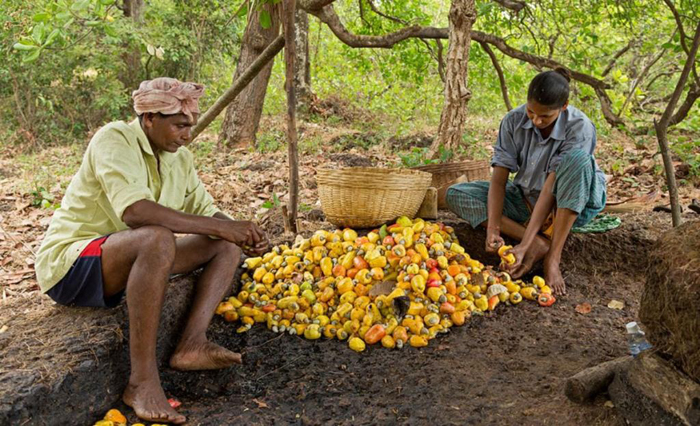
(583, 308)
(261, 404)
(609, 404)
(616, 304)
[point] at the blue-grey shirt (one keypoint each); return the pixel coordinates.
(522, 149)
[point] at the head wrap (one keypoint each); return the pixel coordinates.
(167, 96)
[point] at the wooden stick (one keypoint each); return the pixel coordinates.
(289, 7)
(237, 87)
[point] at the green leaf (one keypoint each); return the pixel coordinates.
(265, 19)
(267, 204)
(107, 2)
(243, 11)
(80, 5)
(23, 46)
(110, 31)
(32, 56)
(92, 23)
(38, 32)
(41, 17)
(52, 36)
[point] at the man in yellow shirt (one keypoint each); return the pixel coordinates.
(114, 234)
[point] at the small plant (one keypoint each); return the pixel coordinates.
(271, 141)
(43, 198)
(419, 157)
(272, 204)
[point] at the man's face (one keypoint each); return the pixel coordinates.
(168, 132)
(541, 116)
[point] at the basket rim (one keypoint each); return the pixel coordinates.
(378, 170)
(454, 166)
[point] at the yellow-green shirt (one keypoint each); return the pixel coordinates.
(118, 169)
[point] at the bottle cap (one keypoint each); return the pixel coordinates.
(632, 327)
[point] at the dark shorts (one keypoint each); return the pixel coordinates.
(83, 285)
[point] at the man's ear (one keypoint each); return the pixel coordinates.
(148, 119)
(566, 104)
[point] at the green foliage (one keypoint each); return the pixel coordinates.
(420, 157)
(43, 198)
(273, 203)
(71, 65)
(270, 141)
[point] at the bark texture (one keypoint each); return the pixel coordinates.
(454, 113)
(290, 59)
(302, 68)
(131, 76)
(243, 114)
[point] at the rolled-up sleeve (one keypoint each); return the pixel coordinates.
(581, 136)
(120, 172)
(505, 152)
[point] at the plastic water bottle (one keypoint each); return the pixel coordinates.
(635, 339)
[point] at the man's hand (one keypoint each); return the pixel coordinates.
(246, 235)
(520, 267)
(493, 241)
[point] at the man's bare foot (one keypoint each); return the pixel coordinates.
(529, 255)
(553, 277)
(203, 356)
(149, 403)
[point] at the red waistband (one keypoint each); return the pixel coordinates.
(94, 248)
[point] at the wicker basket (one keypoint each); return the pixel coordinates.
(363, 197)
(445, 175)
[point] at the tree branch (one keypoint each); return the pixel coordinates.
(686, 106)
(662, 127)
(679, 24)
(245, 78)
(499, 71)
(513, 5)
(376, 10)
(615, 57)
(328, 16)
(638, 80)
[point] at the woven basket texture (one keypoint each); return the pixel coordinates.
(445, 175)
(363, 197)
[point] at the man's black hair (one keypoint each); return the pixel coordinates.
(550, 88)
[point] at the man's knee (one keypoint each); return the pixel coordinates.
(576, 159)
(228, 249)
(156, 241)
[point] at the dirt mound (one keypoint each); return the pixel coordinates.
(418, 140)
(334, 106)
(361, 140)
(351, 160)
(671, 299)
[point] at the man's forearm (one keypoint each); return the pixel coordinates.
(497, 194)
(145, 213)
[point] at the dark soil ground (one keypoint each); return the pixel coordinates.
(508, 367)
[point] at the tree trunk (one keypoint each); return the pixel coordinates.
(131, 75)
(290, 59)
(302, 68)
(454, 113)
(661, 127)
(243, 114)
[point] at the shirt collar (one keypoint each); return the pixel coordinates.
(165, 157)
(141, 137)
(559, 130)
